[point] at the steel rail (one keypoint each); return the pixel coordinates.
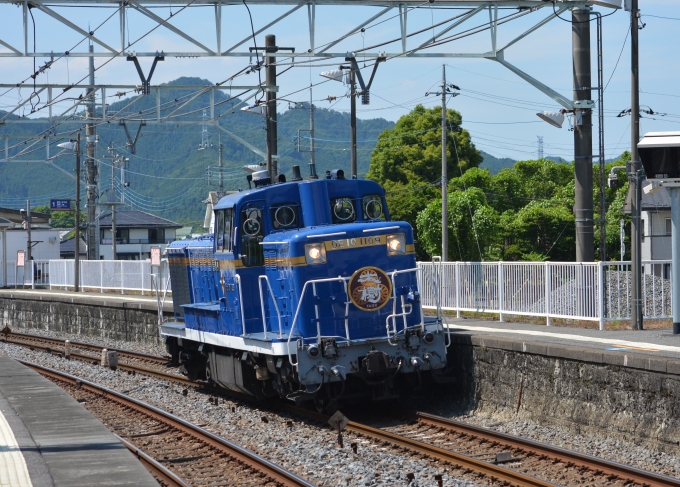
(157, 469)
(89, 346)
(240, 454)
(596, 464)
(606, 467)
(458, 460)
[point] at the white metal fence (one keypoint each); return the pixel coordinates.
(35, 273)
(108, 275)
(598, 291)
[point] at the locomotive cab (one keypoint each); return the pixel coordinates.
(314, 295)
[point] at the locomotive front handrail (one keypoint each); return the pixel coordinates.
(297, 310)
(237, 278)
(393, 317)
(344, 280)
(276, 307)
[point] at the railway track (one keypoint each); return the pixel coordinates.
(177, 452)
(58, 344)
(557, 465)
(497, 457)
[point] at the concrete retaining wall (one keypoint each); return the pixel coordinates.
(120, 322)
(631, 396)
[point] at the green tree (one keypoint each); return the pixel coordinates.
(58, 219)
(407, 161)
(472, 230)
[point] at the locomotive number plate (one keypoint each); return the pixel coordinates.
(352, 243)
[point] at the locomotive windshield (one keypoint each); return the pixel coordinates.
(343, 210)
(252, 233)
(373, 207)
(285, 216)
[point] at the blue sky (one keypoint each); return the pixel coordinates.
(498, 108)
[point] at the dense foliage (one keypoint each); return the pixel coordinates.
(407, 160)
(524, 212)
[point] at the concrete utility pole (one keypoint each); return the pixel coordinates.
(445, 195)
(76, 254)
(583, 137)
(635, 174)
(91, 169)
(353, 124)
(272, 132)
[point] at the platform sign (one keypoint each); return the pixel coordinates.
(156, 256)
(60, 205)
(660, 155)
(21, 258)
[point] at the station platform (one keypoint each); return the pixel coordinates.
(111, 300)
(48, 439)
(655, 349)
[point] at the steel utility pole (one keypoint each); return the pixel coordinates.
(583, 137)
(635, 174)
(219, 164)
(353, 124)
(272, 132)
(76, 254)
(445, 195)
(91, 169)
(29, 253)
(312, 159)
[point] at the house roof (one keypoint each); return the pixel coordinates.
(660, 200)
(15, 216)
(68, 246)
(129, 218)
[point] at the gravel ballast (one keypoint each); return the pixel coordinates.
(308, 450)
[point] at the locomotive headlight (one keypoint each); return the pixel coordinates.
(315, 253)
(396, 244)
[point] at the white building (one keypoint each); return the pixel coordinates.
(13, 238)
(136, 232)
(656, 226)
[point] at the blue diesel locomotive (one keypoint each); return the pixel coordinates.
(305, 290)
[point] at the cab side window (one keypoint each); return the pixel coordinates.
(224, 229)
(343, 210)
(252, 233)
(219, 230)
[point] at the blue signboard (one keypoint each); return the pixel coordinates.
(60, 205)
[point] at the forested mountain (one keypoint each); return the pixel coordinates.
(168, 175)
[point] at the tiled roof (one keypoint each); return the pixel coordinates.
(660, 200)
(67, 246)
(136, 219)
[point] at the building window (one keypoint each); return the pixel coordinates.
(122, 235)
(156, 235)
(669, 226)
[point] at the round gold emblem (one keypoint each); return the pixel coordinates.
(370, 288)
